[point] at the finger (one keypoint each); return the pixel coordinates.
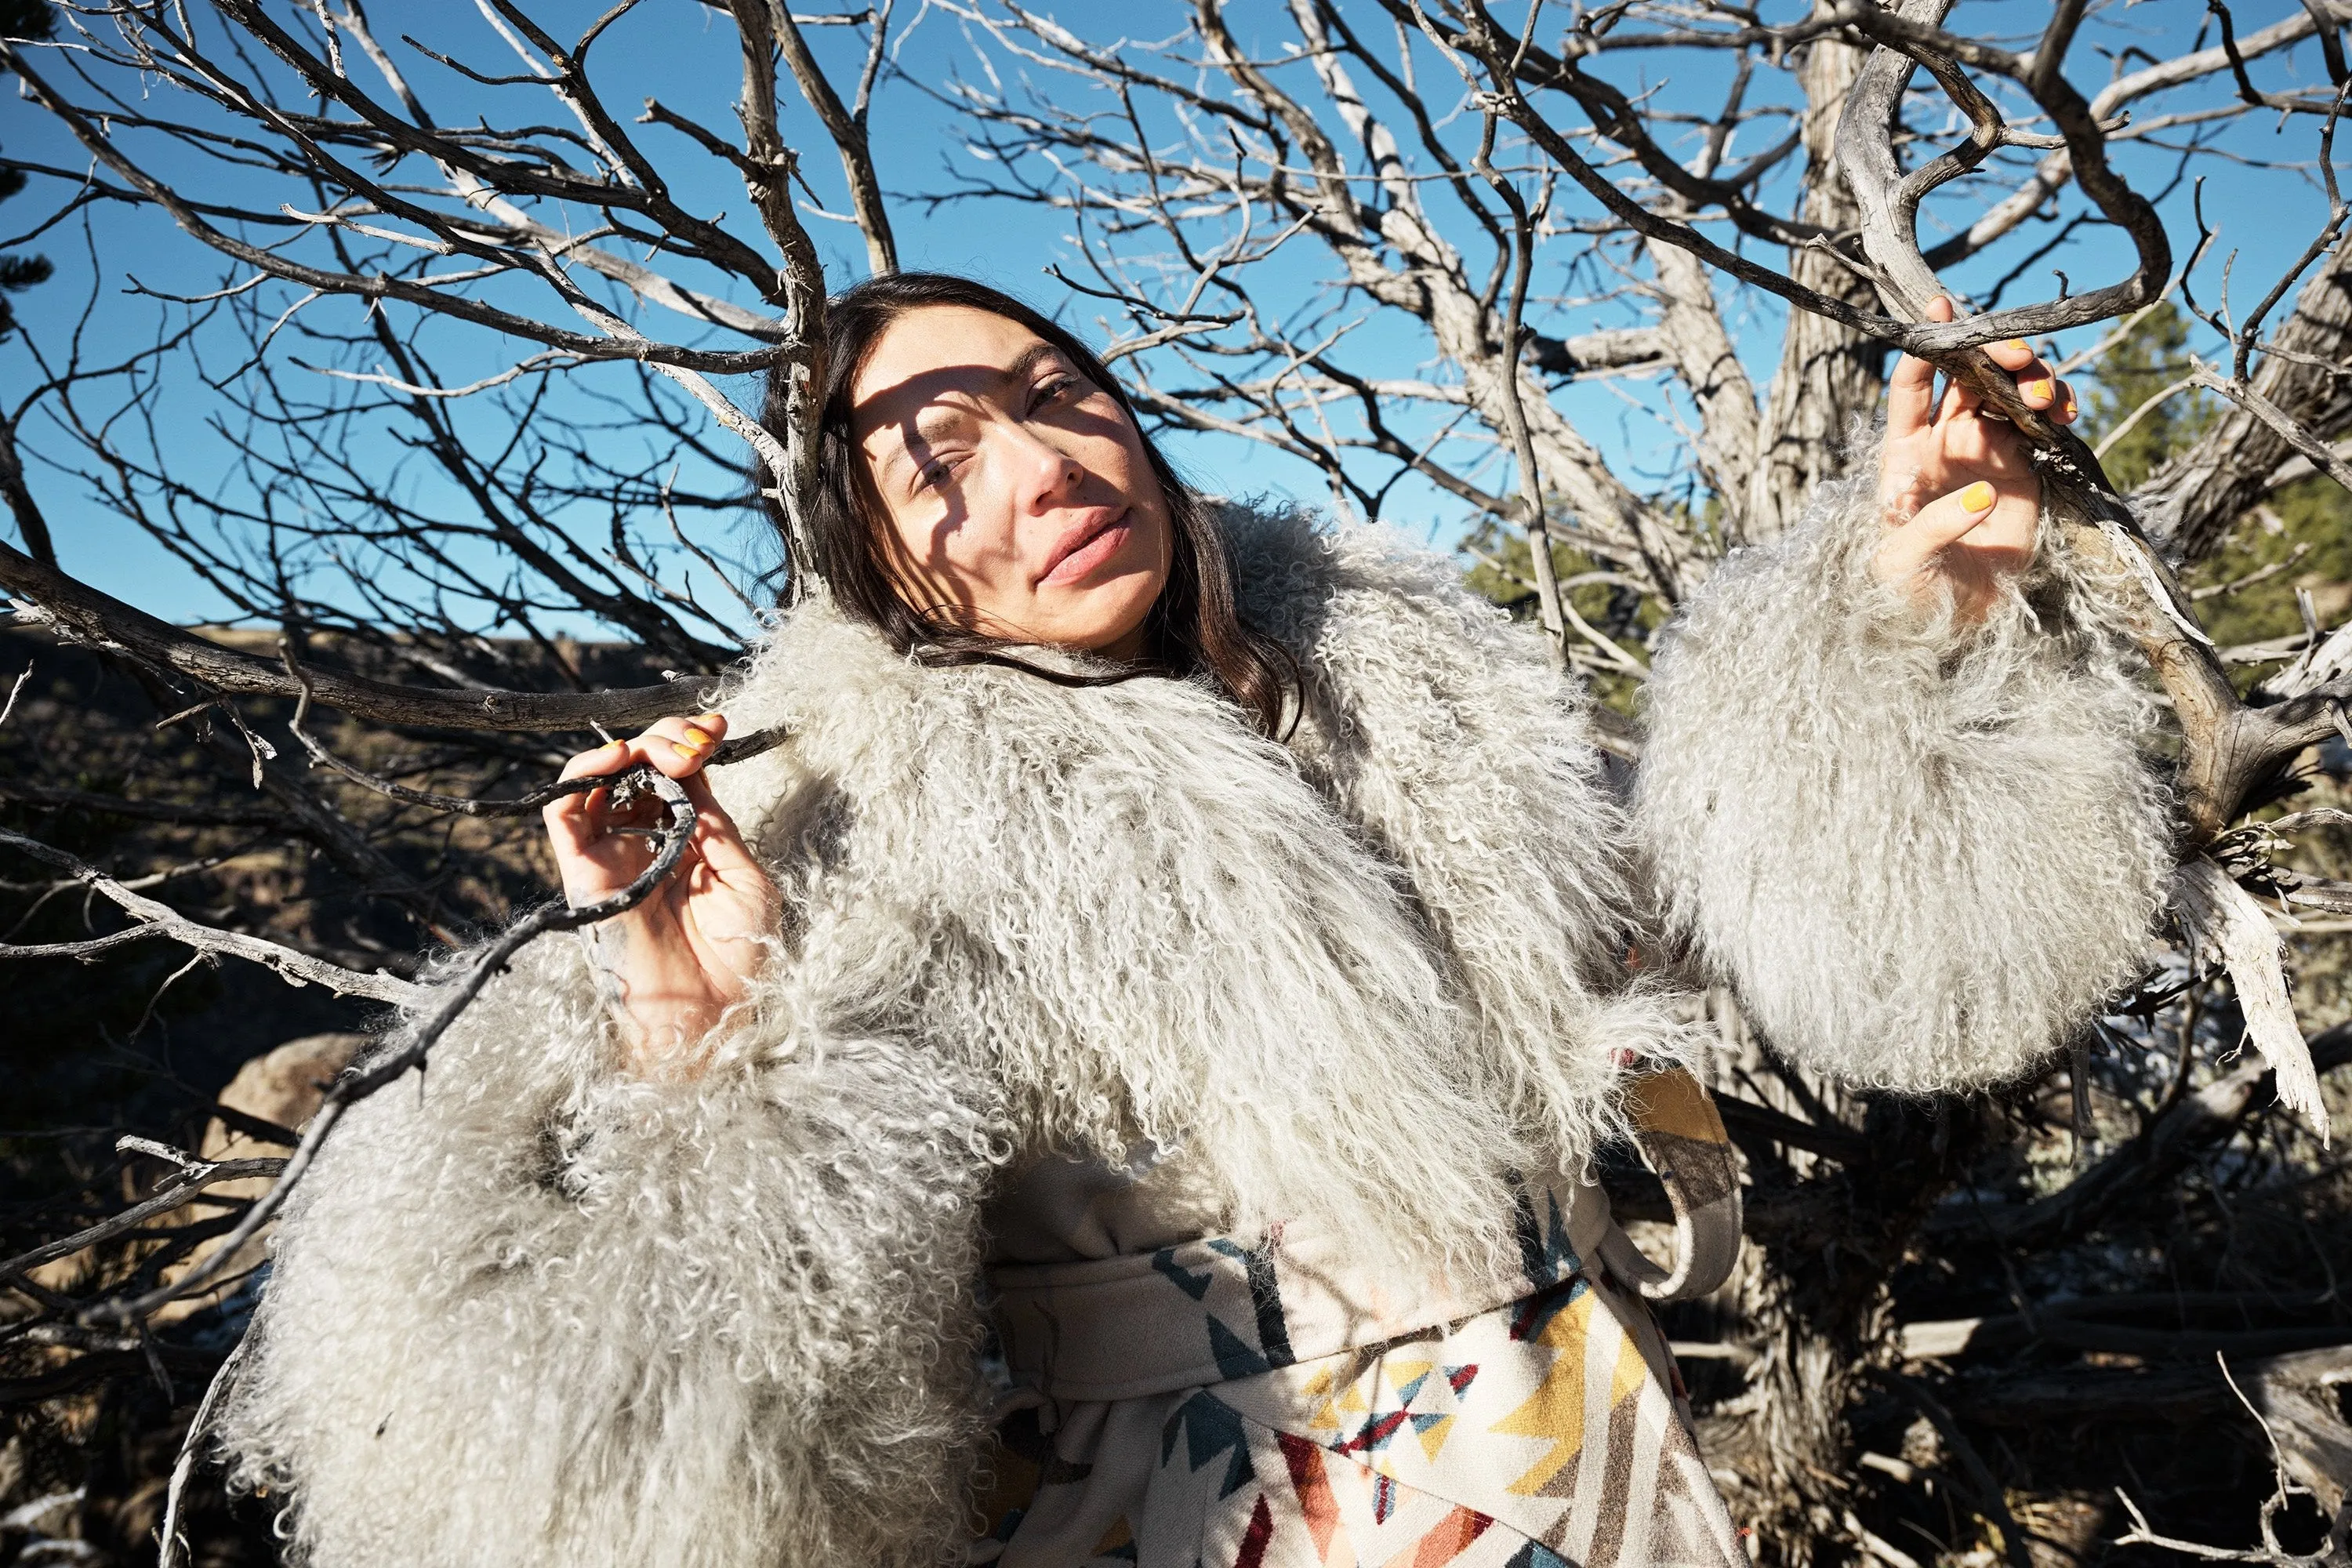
(716, 837)
(2066, 408)
(1959, 399)
(717, 841)
(1910, 397)
(679, 747)
(676, 747)
(575, 821)
(1911, 389)
(2012, 355)
(2038, 384)
(699, 739)
(571, 832)
(1943, 522)
(609, 758)
(1984, 444)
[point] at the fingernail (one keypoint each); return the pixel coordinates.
(689, 753)
(2042, 388)
(1977, 497)
(2014, 343)
(697, 735)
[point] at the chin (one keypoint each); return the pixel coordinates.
(1106, 610)
(1110, 612)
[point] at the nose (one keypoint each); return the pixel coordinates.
(1047, 476)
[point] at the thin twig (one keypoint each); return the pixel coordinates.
(170, 1548)
(15, 689)
(730, 751)
(161, 920)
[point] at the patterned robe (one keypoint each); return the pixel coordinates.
(1206, 1404)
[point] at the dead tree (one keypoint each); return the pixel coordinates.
(449, 276)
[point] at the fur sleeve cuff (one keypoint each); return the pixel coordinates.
(1921, 851)
(527, 1309)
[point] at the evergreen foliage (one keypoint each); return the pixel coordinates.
(20, 19)
(2150, 359)
(2301, 538)
(1502, 568)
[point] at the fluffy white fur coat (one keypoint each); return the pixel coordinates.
(533, 1311)
(1923, 852)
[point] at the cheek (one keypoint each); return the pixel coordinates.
(957, 546)
(1135, 467)
(1139, 485)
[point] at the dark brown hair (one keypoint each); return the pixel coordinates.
(1194, 627)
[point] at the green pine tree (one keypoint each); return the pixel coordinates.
(2301, 537)
(20, 19)
(2152, 357)
(1502, 568)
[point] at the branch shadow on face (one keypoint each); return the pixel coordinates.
(924, 411)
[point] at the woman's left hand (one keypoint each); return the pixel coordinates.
(1959, 500)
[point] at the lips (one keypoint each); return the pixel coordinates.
(1084, 546)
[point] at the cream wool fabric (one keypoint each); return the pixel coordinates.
(530, 1311)
(1922, 852)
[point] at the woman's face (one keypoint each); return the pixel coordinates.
(1019, 500)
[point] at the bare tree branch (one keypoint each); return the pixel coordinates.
(161, 920)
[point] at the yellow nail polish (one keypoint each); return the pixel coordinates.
(696, 736)
(1977, 497)
(2045, 388)
(689, 753)
(2015, 343)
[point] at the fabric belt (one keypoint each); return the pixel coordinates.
(1214, 1310)
(1210, 1310)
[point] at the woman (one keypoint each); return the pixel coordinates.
(1185, 952)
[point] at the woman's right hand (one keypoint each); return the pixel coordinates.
(690, 950)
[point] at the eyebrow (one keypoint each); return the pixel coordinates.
(933, 415)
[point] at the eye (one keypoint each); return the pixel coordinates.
(939, 470)
(1055, 388)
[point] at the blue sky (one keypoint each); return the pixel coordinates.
(671, 50)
